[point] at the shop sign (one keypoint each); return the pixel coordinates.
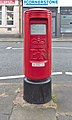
(39, 3)
(7, 1)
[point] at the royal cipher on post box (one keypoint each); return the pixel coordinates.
(37, 44)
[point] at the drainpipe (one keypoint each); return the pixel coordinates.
(20, 34)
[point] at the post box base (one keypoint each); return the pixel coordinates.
(37, 92)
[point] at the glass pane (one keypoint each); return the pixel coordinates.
(9, 22)
(66, 23)
(0, 22)
(0, 15)
(9, 8)
(10, 16)
(38, 29)
(0, 8)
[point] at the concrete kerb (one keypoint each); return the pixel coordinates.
(11, 39)
(61, 39)
(21, 39)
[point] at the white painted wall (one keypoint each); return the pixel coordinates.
(64, 3)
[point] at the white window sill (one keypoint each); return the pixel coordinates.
(11, 26)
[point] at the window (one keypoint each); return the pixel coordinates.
(66, 20)
(10, 15)
(66, 23)
(0, 15)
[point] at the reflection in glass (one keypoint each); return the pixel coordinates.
(0, 8)
(0, 15)
(66, 23)
(38, 29)
(10, 15)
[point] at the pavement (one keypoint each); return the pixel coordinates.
(63, 93)
(8, 92)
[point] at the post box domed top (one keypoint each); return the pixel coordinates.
(37, 10)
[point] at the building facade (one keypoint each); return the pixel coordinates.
(10, 18)
(61, 14)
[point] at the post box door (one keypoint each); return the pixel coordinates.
(38, 42)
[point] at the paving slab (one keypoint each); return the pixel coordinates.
(4, 117)
(64, 98)
(64, 117)
(8, 93)
(28, 113)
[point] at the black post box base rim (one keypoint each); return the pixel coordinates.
(37, 92)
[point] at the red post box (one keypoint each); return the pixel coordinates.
(37, 47)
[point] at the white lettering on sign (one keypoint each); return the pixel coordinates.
(36, 64)
(53, 1)
(40, 2)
